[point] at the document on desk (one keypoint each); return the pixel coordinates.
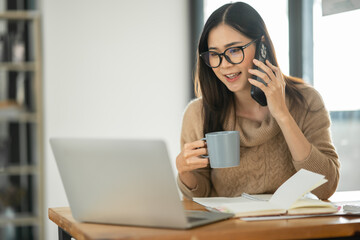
(288, 199)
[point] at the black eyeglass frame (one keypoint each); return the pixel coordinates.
(203, 55)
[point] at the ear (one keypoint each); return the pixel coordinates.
(263, 38)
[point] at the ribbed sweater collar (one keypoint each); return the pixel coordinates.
(253, 133)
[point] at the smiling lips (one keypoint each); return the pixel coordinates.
(232, 77)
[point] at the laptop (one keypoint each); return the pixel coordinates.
(126, 182)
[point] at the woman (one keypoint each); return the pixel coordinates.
(290, 133)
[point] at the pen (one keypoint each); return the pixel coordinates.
(351, 207)
(250, 197)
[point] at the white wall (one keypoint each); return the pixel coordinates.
(112, 69)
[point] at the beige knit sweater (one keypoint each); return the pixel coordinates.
(265, 159)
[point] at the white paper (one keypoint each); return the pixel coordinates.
(265, 218)
(295, 187)
(217, 202)
(253, 206)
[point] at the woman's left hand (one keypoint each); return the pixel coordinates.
(274, 89)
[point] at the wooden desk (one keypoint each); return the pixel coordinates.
(317, 227)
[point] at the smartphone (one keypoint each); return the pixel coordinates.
(256, 93)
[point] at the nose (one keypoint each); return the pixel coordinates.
(224, 62)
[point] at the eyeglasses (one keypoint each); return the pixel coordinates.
(234, 55)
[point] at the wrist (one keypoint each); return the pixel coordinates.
(188, 179)
(184, 174)
(283, 118)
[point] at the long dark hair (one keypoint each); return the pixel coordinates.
(217, 99)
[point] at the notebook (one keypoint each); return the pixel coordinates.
(288, 199)
(126, 182)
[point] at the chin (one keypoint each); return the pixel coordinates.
(237, 87)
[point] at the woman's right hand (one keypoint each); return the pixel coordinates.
(190, 157)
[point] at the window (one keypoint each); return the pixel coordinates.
(336, 58)
(336, 63)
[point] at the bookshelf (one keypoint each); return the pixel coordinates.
(21, 121)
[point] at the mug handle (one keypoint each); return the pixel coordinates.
(204, 156)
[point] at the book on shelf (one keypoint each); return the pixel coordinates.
(289, 199)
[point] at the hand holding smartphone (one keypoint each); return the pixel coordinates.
(256, 93)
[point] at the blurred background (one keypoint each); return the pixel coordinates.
(123, 69)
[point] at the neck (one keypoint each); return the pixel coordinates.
(244, 101)
(247, 107)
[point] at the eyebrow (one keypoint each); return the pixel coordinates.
(226, 46)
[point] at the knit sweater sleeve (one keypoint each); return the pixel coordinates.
(192, 130)
(322, 158)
